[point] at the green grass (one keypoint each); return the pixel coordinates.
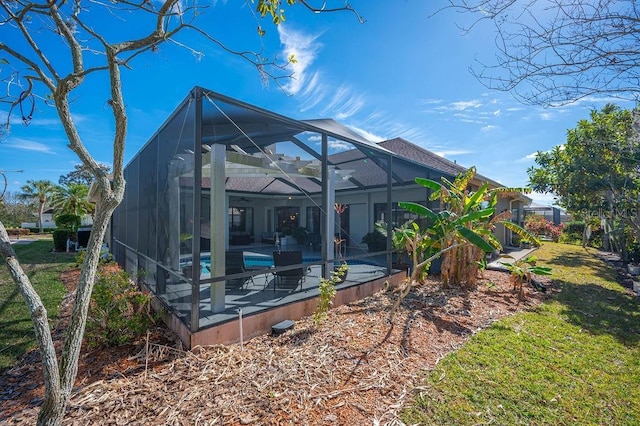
(43, 267)
(574, 360)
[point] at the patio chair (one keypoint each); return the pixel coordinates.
(234, 264)
(290, 278)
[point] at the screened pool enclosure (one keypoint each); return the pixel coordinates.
(222, 177)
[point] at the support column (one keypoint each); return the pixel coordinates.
(389, 211)
(173, 183)
(327, 224)
(218, 226)
(196, 216)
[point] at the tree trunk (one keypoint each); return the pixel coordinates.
(59, 382)
(53, 396)
(40, 213)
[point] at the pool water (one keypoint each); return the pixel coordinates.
(257, 262)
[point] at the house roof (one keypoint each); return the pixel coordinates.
(250, 133)
(414, 152)
(430, 159)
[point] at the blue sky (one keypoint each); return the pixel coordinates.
(400, 74)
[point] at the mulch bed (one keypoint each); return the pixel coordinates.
(355, 368)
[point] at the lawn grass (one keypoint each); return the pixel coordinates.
(43, 267)
(573, 360)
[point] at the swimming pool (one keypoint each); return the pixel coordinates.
(253, 261)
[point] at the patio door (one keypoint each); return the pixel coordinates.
(287, 219)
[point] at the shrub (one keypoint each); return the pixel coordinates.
(375, 240)
(573, 233)
(119, 312)
(80, 257)
(539, 225)
(574, 228)
(68, 221)
(634, 251)
(60, 237)
(536, 224)
(36, 230)
(327, 289)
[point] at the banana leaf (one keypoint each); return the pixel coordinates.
(475, 239)
(418, 209)
(428, 183)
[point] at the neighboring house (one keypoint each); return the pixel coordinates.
(242, 178)
(48, 221)
(553, 214)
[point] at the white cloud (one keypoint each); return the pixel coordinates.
(339, 145)
(464, 105)
(27, 145)
(488, 128)
(350, 107)
(304, 48)
(366, 134)
(449, 152)
(430, 101)
(527, 158)
(312, 93)
(343, 104)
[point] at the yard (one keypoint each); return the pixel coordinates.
(43, 268)
(449, 357)
(573, 360)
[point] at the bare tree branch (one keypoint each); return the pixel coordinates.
(554, 52)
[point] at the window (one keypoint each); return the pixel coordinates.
(287, 218)
(398, 216)
(241, 219)
(313, 220)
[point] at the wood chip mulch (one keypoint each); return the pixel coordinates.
(355, 368)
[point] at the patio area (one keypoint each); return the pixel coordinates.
(260, 292)
(222, 176)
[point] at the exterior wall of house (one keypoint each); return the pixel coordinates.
(516, 206)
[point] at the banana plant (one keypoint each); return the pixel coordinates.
(462, 231)
(522, 270)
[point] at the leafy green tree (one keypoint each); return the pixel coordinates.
(39, 190)
(595, 173)
(53, 49)
(81, 174)
(14, 210)
(72, 199)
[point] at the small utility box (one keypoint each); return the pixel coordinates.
(281, 327)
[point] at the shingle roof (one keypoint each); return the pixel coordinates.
(414, 152)
(432, 160)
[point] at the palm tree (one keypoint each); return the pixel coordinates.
(40, 190)
(72, 200)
